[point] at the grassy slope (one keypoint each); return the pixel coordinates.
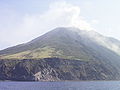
(45, 52)
(59, 43)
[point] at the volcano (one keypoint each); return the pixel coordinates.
(63, 54)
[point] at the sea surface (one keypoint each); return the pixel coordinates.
(84, 85)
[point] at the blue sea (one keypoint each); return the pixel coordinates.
(87, 85)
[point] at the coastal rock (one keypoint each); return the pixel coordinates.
(55, 69)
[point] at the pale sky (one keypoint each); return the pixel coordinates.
(24, 20)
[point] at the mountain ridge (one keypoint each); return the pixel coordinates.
(61, 40)
(62, 54)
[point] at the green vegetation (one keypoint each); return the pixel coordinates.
(45, 52)
(64, 45)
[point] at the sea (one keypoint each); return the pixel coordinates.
(81, 85)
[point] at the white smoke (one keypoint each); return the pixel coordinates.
(104, 41)
(59, 14)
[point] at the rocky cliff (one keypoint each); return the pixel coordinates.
(55, 69)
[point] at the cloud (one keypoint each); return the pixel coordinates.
(27, 27)
(94, 22)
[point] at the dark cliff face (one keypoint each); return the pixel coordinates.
(54, 69)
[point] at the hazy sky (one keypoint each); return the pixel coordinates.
(23, 20)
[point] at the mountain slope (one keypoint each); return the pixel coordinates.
(98, 57)
(67, 43)
(60, 42)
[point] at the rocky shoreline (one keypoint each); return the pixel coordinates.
(55, 69)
